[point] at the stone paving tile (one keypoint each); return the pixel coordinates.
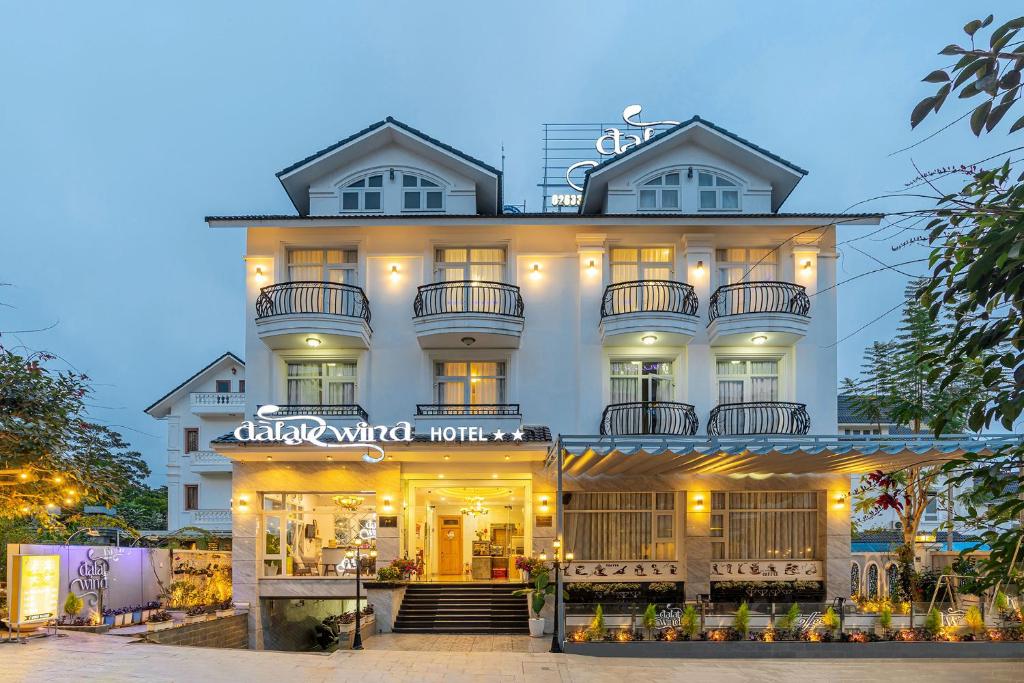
(408, 658)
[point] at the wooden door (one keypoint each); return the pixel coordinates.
(449, 545)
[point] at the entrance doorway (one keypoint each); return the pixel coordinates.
(449, 546)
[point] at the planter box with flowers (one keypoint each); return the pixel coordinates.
(159, 621)
(528, 566)
(224, 609)
(196, 614)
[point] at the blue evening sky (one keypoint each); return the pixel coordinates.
(124, 124)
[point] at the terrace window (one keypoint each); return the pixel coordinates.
(764, 525)
(618, 527)
(745, 380)
(340, 266)
(644, 263)
(322, 382)
(363, 194)
(660, 193)
(455, 264)
(469, 382)
(641, 380)
(746, 265)
(717, 192)
(420, 194)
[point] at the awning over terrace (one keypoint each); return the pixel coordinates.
(592, 456)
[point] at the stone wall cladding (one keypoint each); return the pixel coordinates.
(225, 632)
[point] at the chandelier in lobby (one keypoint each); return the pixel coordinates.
(348, 502)
(475, 508)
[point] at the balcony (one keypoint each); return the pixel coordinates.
(649, 417)
(217, 402)
(773, 313)
(489, 416)
(208, 462)
(212, 520)
(763, 417)
(659, 312)
(297, 315)
(338, 415)
(483, 315)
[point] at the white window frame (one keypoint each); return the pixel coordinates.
(184, 497)
(747, 264)
(660, 548)
(350, 269)
(422, 191)
(323, 378)
(659, 189)
(748, 376)
(717, 176)
(721, 526)
(467, 379)
(642, 379)
(641, 265)
(441, 266)
(362, 192)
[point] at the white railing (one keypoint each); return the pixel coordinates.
(205, 399)
(201, 517)
(208, 458)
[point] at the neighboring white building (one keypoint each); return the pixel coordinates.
(198, 410)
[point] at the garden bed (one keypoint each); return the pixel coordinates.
(700, 649)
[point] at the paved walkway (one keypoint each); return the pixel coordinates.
(82, 657)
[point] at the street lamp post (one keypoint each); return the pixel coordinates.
(559, 566)
(357, 639)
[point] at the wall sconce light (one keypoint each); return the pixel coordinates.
(543, 557)
(387, 505)
(807, 265)
(689, 172)
(569, 557)
(260, 277)
(840, 500)
(648, 339)
(243, 502)
(535, 272)
(699, 270)
(759, 339)
(395, 273)
(544, 504)
(698, 503)
(391, 174)
(556, 544)
(592, 267)
(313, 342)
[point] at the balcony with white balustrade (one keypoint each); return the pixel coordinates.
(212, 520)
(217, 402)
(208, 462)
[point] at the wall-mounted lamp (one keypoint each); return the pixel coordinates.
(648, 339)
(698, 503)
(840, 500)
(387, 505)
(592, 267)
(535, 272)
(391, 174)
(759, 339)
(260, 277)
(689, 172)
(313, 342)
(243, 502)
(807, 265)
(543, 557)
(544, 504)
(699, 270)
(395, 273)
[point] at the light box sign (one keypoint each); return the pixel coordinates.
(35, 588)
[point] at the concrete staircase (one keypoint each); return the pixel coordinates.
(484, 608)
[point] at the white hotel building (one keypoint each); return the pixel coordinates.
(668, 347)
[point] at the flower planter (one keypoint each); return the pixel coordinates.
(108, 620)
(537, 627)
(195, 619)
(177, 614)
(137, 616)
(159, 625)
(119, 619)
(224, 613)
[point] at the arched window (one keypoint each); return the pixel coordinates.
(421, 194)
(717, 192)
(892, 580)
(363, 194)
(873, 581)
(660, 193)
(854, 579)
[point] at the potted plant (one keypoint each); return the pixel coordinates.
(109, 617)
(159, 620)
(225, 608)
(542, 588)
(689, 623)
(136, 614)
(528, 566)
(120, 617)
(195, 614)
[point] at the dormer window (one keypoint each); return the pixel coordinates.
(660, 193)
(420, 194)
(717, 192)
(363, 194)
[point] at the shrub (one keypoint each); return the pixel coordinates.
(650, 616)
(974, 621)
(73, 605)
(933, 622)
(690, 622)
(789, 621)
(182, 595)
(830, 619)
(389, 574)
(885, 618)
(741, 622)
(596, 630)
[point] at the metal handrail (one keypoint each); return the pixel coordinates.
(759, 417)
(649, 417)
(766, 296)
(511, 409)
(468, 296)
(307, 296)
(322, 410)
(649, 296)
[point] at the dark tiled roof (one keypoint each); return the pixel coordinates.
(848, 412)
(216, 360)
(896, 536)
(695, 119)
(531, 434)
(513, 217)
(407, 128)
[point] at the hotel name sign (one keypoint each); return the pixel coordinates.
(297, 430)
(766, 570)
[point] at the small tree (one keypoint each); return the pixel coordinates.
(73, 605)
(650, 619)
(830, 620)
(974, 620)
(741, 622)
(933, 622)
(885, 618)
(690, 622)
(789, 621)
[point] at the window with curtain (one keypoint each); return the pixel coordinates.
(323, 265)
(469, 382)
(322, 382)
(620, 526)
(745, 380)
(641, 380)
(363, 194)
(640, 263)
(421, 194)
(764, 525)
(717, 192)
(746, 265)
(660, 193)
(452, 264)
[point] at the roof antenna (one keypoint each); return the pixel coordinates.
(501, 208)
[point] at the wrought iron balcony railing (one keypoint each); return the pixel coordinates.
(758, 297)
(508, 409)
(649, 417)
(324, 298)
(468, 296)
(651, 296)
(761, 417)
(327, 410)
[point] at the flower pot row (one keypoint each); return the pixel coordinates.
(128, 616)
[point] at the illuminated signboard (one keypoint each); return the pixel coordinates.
(35, 588)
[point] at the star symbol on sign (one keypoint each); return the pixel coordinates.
(517, 435)
(498, 434)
